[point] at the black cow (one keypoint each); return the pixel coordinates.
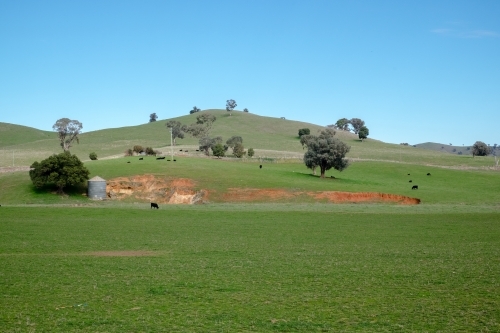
(429, 174)
(409, 181)
(415, 187)
(141, 158)
(128, 162)
(180, 149)
(408, 174)
(175, 160)
(260, 166)
(154, 205)
(160, 158)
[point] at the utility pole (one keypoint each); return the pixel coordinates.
(171, 146)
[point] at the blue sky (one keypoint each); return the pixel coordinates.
(414, 71)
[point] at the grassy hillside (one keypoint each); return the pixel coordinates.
(270, 137)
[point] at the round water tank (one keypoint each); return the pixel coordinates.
(97, 188)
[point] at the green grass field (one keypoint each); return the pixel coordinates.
(73, 265)
(248, 270)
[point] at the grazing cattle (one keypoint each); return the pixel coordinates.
(185, 151)
(180, 149)
(197, 150)
(128, 162)
(415, 187)
(408, 174)
(409, 181)
(141, 158)
(260, 166)
(160, 158)
(175, 160)
(154, 205)
(429, 174)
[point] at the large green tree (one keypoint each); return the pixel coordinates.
(67, 131)
(363, 133)
(326, 152)
(177, 130)
(480, 149)
(60, 170)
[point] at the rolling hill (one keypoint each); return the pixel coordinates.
(270, 137)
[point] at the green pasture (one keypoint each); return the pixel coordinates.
(247, 270)
(73, 265)
(270, 137)
(444, 186)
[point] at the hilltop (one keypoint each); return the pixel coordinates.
(270, 137)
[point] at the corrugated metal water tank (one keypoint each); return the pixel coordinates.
(96, 188)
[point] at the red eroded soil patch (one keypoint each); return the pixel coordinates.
(183, 191)
(155, 189)
(265, 195)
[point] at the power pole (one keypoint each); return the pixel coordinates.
(171, 146)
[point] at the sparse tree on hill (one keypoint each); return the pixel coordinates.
(177, 130)
(230, 105)
(68, 131)
(234, 140)
(304, 131)
(194, 110)
(326, 152)
(152, 117)
(197, 130)
(363, 133)
(60, 170)
(356, 124)
(239, 150)
(480, 149)
(206, 119)
(342, 124)
(218, 150)
(206, 143)
(245, 110)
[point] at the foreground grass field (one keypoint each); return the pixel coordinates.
(293, 264)
(248, 269)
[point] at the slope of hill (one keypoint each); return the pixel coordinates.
(11, 135)
(270, 137)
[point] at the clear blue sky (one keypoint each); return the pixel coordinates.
(415, 71)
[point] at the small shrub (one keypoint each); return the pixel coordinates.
(129, 152)
(304, 131)
(93, 156)
(218, 150)
(138, 149)
(459, 153)
(239, 150)
(250, 152)
(150, 151)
